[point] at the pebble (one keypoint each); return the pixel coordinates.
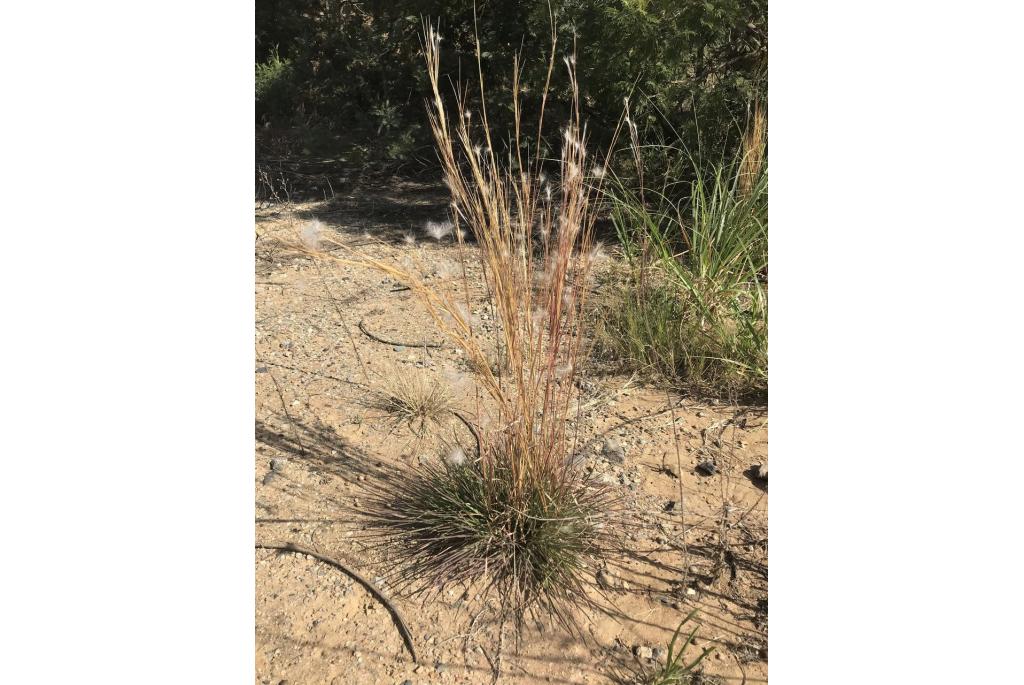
(643, 652)
(707, 468)
(262, 369)
(613, 451)
(277, 464)
(406, 682)
(670, 505)
(658, 653)
(269, 478)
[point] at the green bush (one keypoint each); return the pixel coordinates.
(275, 90)
(355, 68)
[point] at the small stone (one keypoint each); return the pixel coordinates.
(397, 348)
(707, 468)
(440, 668)
(406, 682)
(277, 464)
(670, 506)
(269, 478)
(613, 452)
(262, 369)
(643, 652)
(690, 592)
(658, 653)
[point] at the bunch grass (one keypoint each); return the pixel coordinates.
(693, 305)
(519, 514)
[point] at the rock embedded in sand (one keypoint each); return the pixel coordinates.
(613, 451)
(707, 468)
(643, 652)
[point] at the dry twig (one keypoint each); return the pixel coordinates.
(402, 627)
(371, 336)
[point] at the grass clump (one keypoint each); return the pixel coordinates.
(676, 670)
(414, 399)
(519, 514)
(461, 519)
(693, 304)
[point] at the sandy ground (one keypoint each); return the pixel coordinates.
(695, 541)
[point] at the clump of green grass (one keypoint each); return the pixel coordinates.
(676, 670)
(693, 304)
(461, 519)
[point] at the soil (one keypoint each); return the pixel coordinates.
(695, 541)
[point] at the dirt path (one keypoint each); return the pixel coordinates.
(318, 442)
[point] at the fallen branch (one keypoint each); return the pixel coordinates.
(371, 336)
(402, 627)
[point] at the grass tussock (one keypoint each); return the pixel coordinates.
(693, 304)
(517, 513)
(414, 399)
(455, 521)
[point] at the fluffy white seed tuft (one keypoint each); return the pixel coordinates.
(438, 230)
(311, 235)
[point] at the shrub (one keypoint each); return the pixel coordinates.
(275, 90)
(691, 59)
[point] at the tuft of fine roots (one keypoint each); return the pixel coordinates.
(534, 542)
